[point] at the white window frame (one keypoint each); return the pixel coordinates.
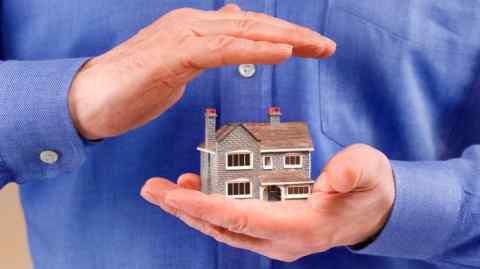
(246, 167)
(267, 167)
(285, 165)
(239, 180)
(296, 196)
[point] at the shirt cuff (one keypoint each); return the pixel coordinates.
(5, 176)
(35, 118)
(424, 215)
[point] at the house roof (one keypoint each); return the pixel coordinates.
(285, 135)
(282, 177)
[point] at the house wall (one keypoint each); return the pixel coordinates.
(213, 172)
(238, 139)
(208, 168)
(277, 161)
(204, 172)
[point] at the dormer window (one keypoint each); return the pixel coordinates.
(292, 161)
(238, 160)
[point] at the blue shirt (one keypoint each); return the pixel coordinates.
(405, 79)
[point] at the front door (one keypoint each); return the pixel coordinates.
(273, 193)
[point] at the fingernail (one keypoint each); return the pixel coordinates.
(326, 47)
(330, 42)
(148, 196)
(329, 48)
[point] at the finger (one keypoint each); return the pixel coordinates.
(245, 15)
(230, 8)
(250, 217)
(189, 181)
(216, 51)
(271, 249)
(223, 235)
(321, 184)
(357, 167)
(154, 191)
(261, 246)
(305, 43)
(330, 45)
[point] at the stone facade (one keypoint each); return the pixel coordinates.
(278, 162)
(241, 138)
(215, 174)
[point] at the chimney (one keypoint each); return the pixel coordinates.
(274, 114)
(210, 127)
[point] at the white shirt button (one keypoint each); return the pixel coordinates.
(49, 156)
(247, 70)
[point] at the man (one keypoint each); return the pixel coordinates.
(77, 82)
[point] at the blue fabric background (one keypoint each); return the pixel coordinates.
(403, 80)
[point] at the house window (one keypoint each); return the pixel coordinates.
(239, 160)
(267, 162)
(239, 188)
(298, 190)
(293, 161)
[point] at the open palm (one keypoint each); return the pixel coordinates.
(350, 203)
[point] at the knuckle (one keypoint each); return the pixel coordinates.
(239, 224)
(251, 15)
(299, 34)
(136, 62)
(245, 26)
(257, 16)
(304, 31)
(219, 43)
(296, 32)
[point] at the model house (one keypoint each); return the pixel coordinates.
(268, 160)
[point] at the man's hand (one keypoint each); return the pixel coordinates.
(350, 203)
(133, 83)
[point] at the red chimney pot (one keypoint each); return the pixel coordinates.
(211, 112)
(275, 110)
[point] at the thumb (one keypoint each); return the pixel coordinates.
(357, 167)
(189, 181)
(230, 8)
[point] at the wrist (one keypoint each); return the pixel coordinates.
(78, 105)
(385, 195)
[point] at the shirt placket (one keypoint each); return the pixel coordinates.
(245, 93)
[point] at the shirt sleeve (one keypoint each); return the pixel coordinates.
(436, 213)
(5, 176)
(34, 118)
